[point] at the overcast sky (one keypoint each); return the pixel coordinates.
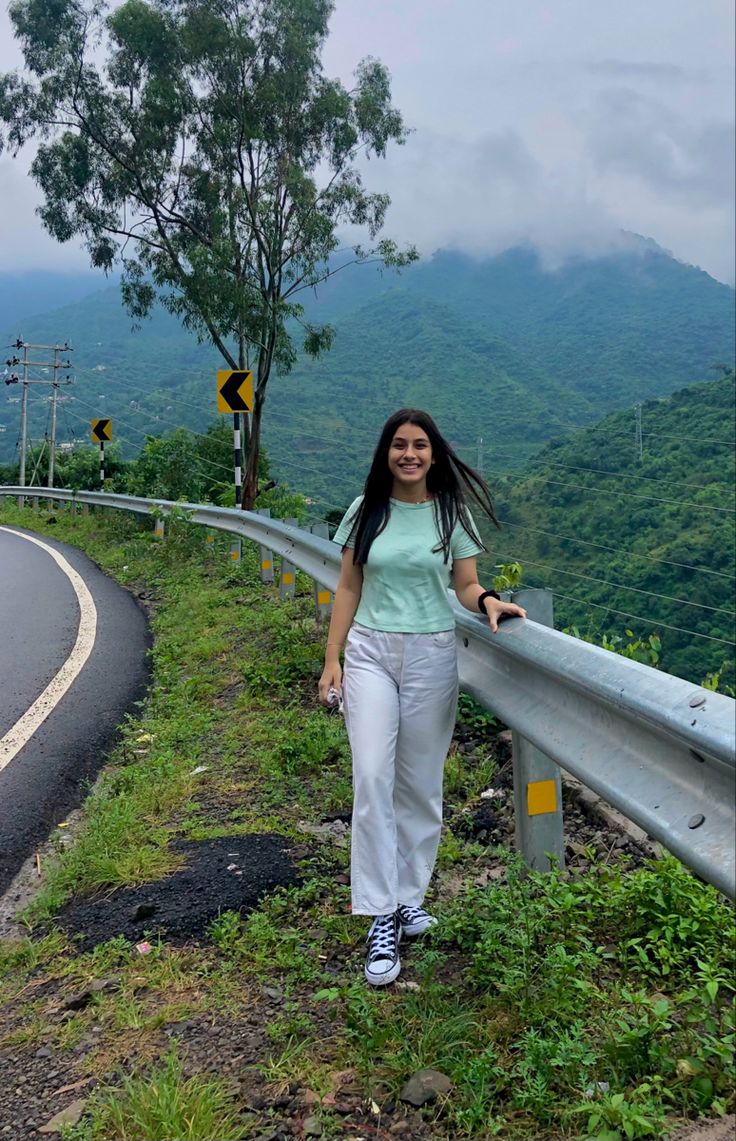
(559, 123)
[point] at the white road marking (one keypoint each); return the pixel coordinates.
(36, 714)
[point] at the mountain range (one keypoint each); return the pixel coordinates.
(505, 353)
(533, 374)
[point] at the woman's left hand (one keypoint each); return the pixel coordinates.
(497, 611)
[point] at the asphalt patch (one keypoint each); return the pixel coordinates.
(232, 873)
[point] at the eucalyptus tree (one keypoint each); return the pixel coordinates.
(199, 145)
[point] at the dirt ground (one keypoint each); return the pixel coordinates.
(724, 1129)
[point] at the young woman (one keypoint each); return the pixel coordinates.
(403, 540)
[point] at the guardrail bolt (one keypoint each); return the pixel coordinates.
(696, 820)
(697, 700)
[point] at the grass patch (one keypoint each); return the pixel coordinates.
(161, 1104)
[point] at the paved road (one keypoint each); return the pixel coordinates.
(73, 661)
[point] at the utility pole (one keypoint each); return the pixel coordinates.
(56, 365)
(23, 423)
(638, 439)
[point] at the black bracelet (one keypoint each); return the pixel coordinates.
(482, 597)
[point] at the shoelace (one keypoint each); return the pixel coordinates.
(382, 938)
(410, 914)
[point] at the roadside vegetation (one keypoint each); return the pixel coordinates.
(594, 1002)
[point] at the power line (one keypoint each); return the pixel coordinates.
(692, 439)
(629, 494)
(275, 414)
(641, 618)
(627, 475)
(617, 550)
(622, 586)
(149, 435)
(624, 475)
(661, 435)
(393, 405)
(163, 392)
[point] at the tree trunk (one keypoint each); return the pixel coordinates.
(252, 435)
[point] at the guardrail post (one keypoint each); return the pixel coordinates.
(85, 510)
(537, 786)
(266, 555)
(322, 596)
(287, 577)
(35, 502)
(159, 529)
(236, 550)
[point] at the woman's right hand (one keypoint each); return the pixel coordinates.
(331, 679)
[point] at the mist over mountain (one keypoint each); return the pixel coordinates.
(23, 295)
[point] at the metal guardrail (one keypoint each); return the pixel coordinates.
(659, 749)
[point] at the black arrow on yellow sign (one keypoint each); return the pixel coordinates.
(235, 391)
(101, 430)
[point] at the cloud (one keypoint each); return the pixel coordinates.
(637, 135)
(641, 69)
(570, 183)
(553, 124)
(486, 194)
(24, 244)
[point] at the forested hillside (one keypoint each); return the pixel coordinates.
(508, 356)
(640, 543)
(497, 348)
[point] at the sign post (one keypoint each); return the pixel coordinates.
(235, 394)
(101, 431)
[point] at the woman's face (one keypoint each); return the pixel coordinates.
(410, 457)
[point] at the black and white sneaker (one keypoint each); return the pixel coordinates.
(382, 964)
(414, 920)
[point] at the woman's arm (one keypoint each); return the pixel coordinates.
(347, 597)
(469, 590)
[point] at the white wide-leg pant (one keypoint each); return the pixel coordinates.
(400, 694)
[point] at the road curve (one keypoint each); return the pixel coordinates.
(73, 660)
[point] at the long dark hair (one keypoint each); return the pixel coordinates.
(449, 481)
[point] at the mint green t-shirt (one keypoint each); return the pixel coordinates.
(404, 581)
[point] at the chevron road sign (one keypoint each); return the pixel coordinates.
(235, 391)
(101, 431)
